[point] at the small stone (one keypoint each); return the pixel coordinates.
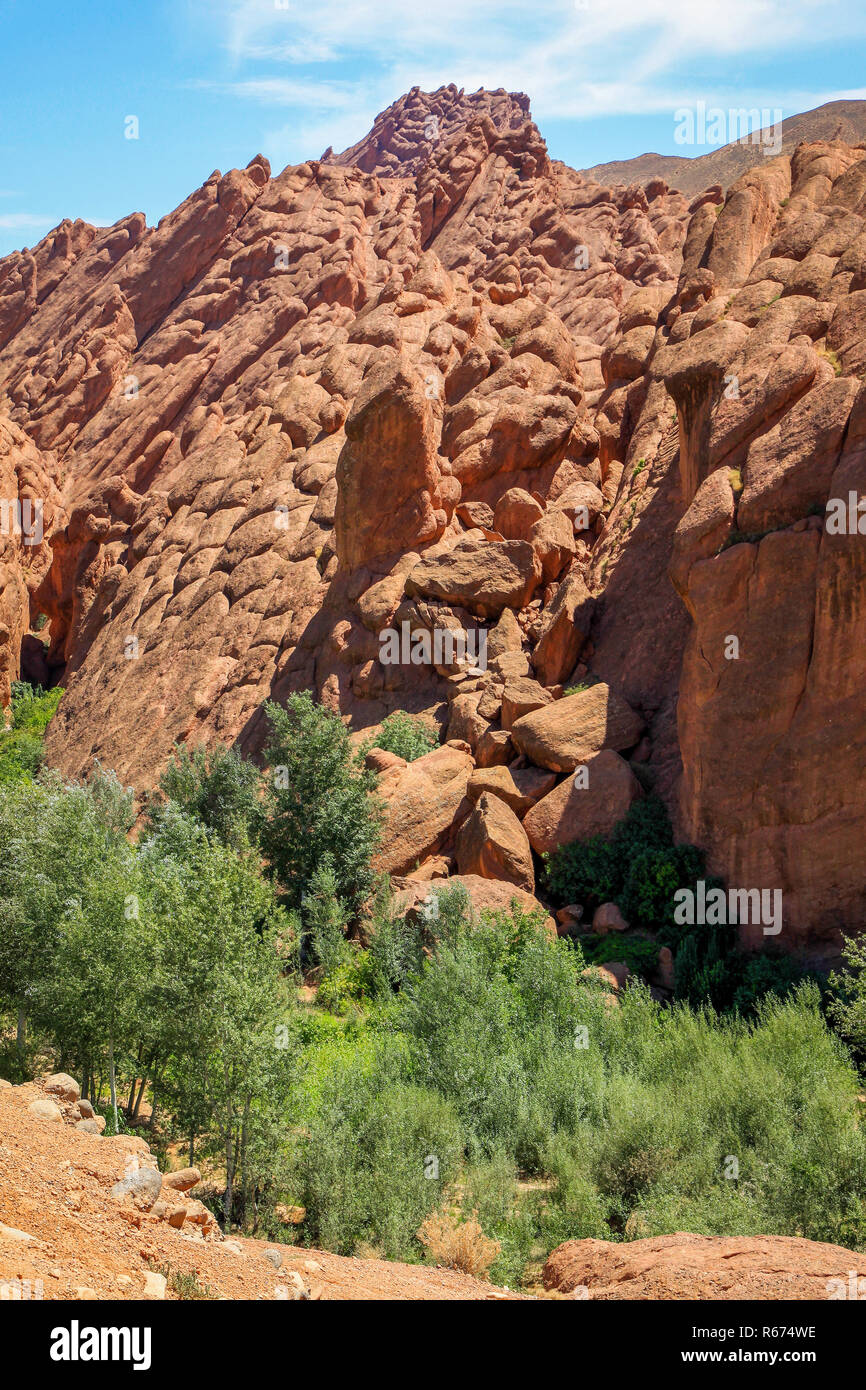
(154, 1285)
(45, 1109)
(275, 1257)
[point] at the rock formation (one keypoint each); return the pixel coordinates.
(443, 386)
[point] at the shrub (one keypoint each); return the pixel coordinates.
(216, 786)
(376, 1156)
(32, 708)
(404, 734)
(458, 1244)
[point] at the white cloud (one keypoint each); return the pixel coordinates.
(21, 221)
(576, 58)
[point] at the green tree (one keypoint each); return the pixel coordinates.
(318, 803)
(216, 786)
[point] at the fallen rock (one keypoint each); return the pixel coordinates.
(520, 787)
(154, 1285)
(182, 1180)
(572, 730)
(482, 576)
(45, 1109)
(492, 844)
(607, 918)
(583, 805)
(703, 1268)
(421, 802)
(59, 1084)
(143, 1184)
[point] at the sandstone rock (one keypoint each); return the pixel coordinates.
(89, 1126)
(421, 802)
(46, 1109)
(483, 895)
(564, 630)
(143, 1184)
(492, 843)
(59, 1084)
(607, 918)
(521, 695)
(519, 788)
(494, 749)
(515, 515)
(182, 1180)
(483, 576)
(572, 812)
(685, 1266)
(154, 1286)
(571, 730)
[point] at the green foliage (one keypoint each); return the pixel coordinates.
(374, 1159)
(218, 787)
(21, 743)
(639, 867)
(318, 803)
(640, 953)
(404, 734)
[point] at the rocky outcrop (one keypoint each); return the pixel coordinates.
(702, 1268)
(441, 384)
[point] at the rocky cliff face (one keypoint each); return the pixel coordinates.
(441, 382)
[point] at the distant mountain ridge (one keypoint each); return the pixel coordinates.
(835, 121)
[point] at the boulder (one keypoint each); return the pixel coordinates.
(494, 749)
(565, 627)
(421, 801)
(521, 695)
(515, 515)
(572, 812)
(492, 844)
(46, 1109)
(520, 787)
(182, 1180)
(608, 918)
(702, 1268)
(143, 1184)
(66, 1087)
(572, 730)
(483, 895)
(482, 576)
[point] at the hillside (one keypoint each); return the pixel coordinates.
(835, 120)
(441, 382)
(59, 1224)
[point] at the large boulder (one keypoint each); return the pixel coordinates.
(484, 895)
(519, 787)
(421, 801)
(483, 576)
(388, 477)
(579, 807)
(564, 630)
(492, 843)
(572, 730)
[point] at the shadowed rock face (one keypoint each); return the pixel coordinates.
(441, 383)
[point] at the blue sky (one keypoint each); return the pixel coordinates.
(213, 82)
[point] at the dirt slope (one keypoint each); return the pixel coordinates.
(55, 1186)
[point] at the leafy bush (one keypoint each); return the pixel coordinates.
(404, 734)
(375, 1157)
(218, 787)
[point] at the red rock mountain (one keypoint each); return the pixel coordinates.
(443, 380)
